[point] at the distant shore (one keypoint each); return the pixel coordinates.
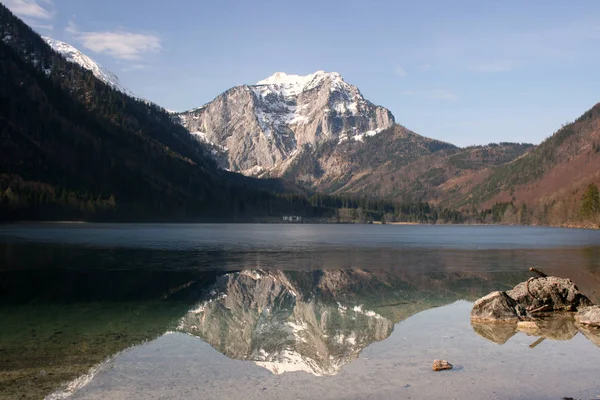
(278, 222)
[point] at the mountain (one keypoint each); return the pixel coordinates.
(73, 55)
(397, 164)
(73, 147)
(545, 186)
(264, 126)
(318, 131)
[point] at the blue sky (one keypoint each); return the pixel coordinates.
(467, 72)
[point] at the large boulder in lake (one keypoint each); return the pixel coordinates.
(589, 316)
(549, 294)
(498, 307)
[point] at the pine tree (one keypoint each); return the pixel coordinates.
(590, 203)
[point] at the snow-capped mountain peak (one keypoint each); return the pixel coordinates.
(73, 55)
(292, 85)
(265, 126)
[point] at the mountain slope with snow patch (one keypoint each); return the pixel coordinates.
(73, 55)
(264, 126)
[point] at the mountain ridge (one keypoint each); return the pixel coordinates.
(316, 130)
(74, 55)
(262, 126)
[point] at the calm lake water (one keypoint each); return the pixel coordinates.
(143, 311)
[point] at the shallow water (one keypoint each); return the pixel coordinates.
(283, 311)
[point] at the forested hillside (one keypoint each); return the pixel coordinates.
(75, 148)
(72, 147)
(399, 165)
(547, 185)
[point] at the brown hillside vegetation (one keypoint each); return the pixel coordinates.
(549, 180)
(400, 165)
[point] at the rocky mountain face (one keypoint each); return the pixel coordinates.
(319, 132)
(304, 128)
(264, 126)
(73, 55)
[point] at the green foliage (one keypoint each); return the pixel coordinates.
(590, 203)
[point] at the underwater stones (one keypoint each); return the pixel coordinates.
(441, 365)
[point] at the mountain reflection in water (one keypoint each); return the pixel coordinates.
(314, 321)
(59, 324)
(65, 310)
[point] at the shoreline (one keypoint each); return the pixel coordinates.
(80, 222)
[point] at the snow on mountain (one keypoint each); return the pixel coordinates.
(263, 126)
(292, 85)
(73, 55)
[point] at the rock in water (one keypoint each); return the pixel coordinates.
(497, 307)
(589, 316)
(552, 293)
(440, 365)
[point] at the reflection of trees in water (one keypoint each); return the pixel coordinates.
(592, 256)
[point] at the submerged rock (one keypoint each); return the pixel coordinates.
(498, 307)
(549, 294)
(441, 365)
(589, 316)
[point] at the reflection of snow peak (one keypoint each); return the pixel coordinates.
(291, 361)
(279, 323)
(71, 387)
(73, 55)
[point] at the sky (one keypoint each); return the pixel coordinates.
(466, 72)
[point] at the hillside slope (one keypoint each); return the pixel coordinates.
(549, 181)
(399, 165)
(73, 147)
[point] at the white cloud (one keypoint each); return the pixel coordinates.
(71, 28)
(436, 94)
(425, 67)
(29, 8)
(400, 71)
(122, 45)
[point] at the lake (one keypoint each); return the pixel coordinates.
(161, 311)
